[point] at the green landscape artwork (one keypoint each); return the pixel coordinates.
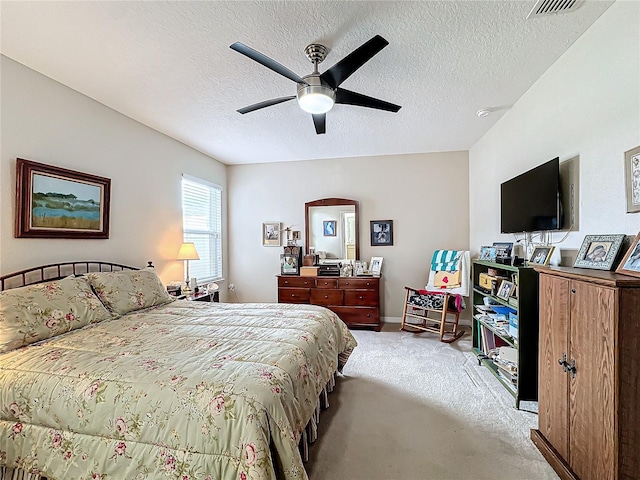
(65, 204)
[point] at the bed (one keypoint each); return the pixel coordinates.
(103, 375)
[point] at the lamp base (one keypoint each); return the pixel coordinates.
(187, 289)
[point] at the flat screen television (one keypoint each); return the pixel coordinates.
(531, 201)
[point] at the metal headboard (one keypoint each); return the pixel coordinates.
(56, 271)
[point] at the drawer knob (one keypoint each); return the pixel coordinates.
(326, 296)
(293, 295)
(306, 283)
(573, 290)
(361, 297)
(368, 315)
(368, 284)
(286, 282)
(347, 283)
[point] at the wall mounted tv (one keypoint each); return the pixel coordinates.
(531, 201)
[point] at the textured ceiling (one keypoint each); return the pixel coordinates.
(169, 66)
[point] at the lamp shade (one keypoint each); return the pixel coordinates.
(188, 252)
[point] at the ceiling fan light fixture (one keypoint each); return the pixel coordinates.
(316, 99)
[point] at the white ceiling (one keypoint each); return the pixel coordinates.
(168, 65)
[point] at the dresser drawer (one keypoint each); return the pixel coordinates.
(296, 282)
(325, 296)
(358, 283)
(326, 282)
(361, 297)
(357, 315)
(293, 295)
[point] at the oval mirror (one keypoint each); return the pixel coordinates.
(331, 226)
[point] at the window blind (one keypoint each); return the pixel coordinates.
(202, 225)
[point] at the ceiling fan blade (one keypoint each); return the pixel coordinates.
(349, 64)
(266, 103)
(266, 61)
(320, 121)
(347, 97)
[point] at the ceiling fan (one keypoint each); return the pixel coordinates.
(318, 92)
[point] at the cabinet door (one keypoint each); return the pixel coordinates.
(553, 382)
(592, 391)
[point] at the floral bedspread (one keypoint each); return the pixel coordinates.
(187, 390)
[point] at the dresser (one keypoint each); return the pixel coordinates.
(589, 374)
(355, 300)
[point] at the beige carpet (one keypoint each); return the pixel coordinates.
(411, 408)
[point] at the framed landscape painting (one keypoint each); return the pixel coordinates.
(54, 202)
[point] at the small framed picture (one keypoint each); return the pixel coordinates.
(289, 264)
(630, 264)
(488, 254)
(360, 267)
(504, 292)
(599, 251)
(375, 266)
(503, 249)
(541, 255)
(381, 232)
(329, 228)
(632, 179)
(271, 234)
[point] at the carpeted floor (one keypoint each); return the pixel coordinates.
(411, 408)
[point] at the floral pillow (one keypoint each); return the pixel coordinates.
(36, 312)
(128, 290)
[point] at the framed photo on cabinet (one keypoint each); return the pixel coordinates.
(630, 264)
(599, 251)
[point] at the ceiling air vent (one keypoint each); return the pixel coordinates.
(548, 7)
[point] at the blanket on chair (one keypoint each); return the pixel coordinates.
(435, 300)
(446, 260)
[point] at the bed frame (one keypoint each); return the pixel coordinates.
(56, 271)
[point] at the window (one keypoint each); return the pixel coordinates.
(202, 225)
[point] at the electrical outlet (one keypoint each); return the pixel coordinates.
(232, 286)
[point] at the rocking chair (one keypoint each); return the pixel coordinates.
(437, 307)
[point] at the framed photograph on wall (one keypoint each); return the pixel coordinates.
(632, 179)
(599, 251)
(329, 228)
(375, 266)
(381, 232)
(541, 255)
(630, 264)
(271, 234)
(54, 202)
(289, 264)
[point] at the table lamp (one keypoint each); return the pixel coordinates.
(188, 252)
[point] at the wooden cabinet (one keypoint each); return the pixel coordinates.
(589, 385)
(355, 300)
(524, 302)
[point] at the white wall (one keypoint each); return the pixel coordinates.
(426, 196)
(47, 122)
(587, 105)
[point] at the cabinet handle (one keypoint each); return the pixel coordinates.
(569, 368)
(573, 290)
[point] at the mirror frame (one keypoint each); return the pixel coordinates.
(331, 202)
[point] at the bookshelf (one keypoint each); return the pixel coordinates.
(517, 366)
